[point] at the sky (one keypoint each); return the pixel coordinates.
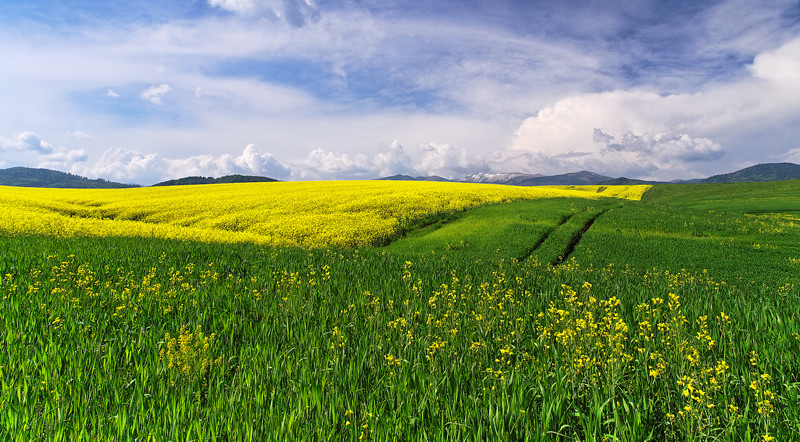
(140, 91)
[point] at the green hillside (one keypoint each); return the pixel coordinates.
(759, 173)
(221, 180)
(29, 177)
(778, 196)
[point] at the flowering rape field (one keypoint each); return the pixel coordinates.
(308, 214)
(457, 331)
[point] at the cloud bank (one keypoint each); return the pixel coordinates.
(132, 166)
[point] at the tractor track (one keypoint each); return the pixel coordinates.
(543, 238)
(577, 238)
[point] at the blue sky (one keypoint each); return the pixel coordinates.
(143, 91)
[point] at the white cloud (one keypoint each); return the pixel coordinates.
(323, 164)
(448, 161)
(123, 165)
(792, 155)
(29, 149)
(638, 135)
(128, 165)
(111, 93)
(665, 147)
(780, 65)
(263, 164)
(81, 135)
(680, 135)
(26, 142)
(153, 94)
(293, 12)
(392, 161)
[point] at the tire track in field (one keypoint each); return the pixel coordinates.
(543, 238)
(577, 238)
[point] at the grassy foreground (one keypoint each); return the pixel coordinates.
(555, 319)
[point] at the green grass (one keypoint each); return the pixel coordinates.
(778, 196)
(504, 231)
(471, 328)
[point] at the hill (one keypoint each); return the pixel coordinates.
(192, 180)
(627, 182)
(583, 177)
(414, 178)
(516, 179)
(32, 177)
(498, 178)
(525, 179)
(759, 173)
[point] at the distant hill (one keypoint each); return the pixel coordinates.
(516, 179)
(622, 181)
(759, 173)
(191, 180)
(31, 177)
(525, 179)
(413, 178)
(499, 178)
(583, 177)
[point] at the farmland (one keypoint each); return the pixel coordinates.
(441, 312)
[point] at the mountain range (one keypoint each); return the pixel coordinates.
(757, 173)
(30, 177)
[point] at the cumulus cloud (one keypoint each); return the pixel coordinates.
(26, 142)
(29, 149)
(253, 162)
(448, 161)
(324, 164)
(124, 165)
(392, 160)
(668, 136)
(389, 160)
(431, 159)
(665, 147)
(111, 93)
(129, 165)
(664, 155)
(250, 162)
(153, 94)
(295, 13)
(781, 65)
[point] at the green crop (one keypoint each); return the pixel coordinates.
(555, 319)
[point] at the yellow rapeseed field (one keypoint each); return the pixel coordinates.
(307, 214)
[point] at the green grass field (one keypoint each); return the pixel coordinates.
(673, 318)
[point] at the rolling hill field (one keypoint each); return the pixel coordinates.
(401, 311)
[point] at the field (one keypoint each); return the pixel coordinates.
(465, 312)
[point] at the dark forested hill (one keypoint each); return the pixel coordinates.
(30, 177)
(209, 180)
(759, 173)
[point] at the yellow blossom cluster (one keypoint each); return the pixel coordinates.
(190, 354)
(588, 335)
